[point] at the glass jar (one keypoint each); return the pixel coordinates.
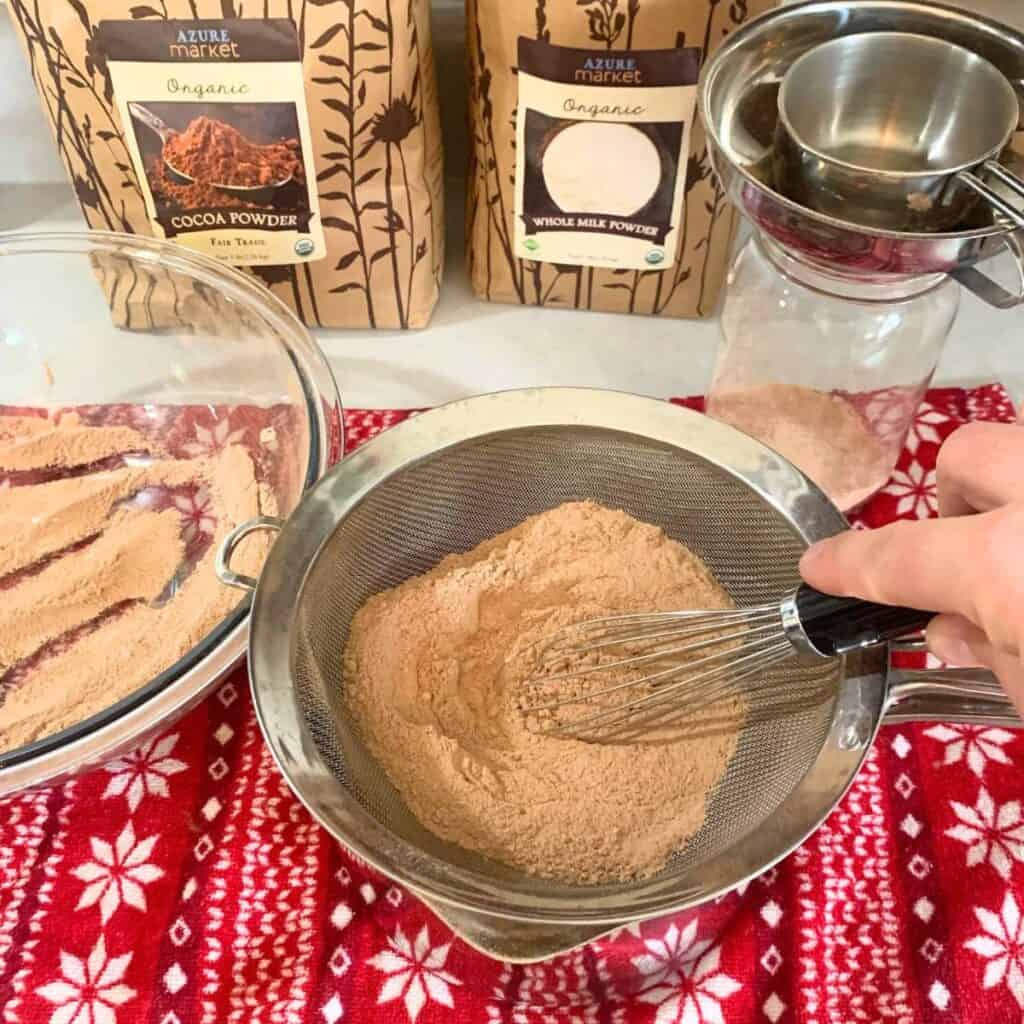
(828, 367)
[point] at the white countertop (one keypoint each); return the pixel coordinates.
(472, 346)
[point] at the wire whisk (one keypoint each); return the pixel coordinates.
(679, 664)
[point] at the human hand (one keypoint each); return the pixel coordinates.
(968, 565)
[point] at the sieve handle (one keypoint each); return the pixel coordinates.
(968, 695)
(222, 566)
(993, 198)
(831, 626)
(970, 277)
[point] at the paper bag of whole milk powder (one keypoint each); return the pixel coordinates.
(589, 184)
(300, 142)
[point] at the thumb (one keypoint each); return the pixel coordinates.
(959, 642)
(952, 639)
(904, 563)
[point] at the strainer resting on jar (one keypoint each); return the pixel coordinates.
(451, 478)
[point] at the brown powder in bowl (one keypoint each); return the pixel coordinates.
(820, 432)
(87, 616)
(27, 446)
(434, 672)
(132, 560)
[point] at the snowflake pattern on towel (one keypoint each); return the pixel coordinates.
(182, 883)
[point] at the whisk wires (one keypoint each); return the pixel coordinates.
(672, 664)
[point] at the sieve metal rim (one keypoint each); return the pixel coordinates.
(800, 22)
(774, 479)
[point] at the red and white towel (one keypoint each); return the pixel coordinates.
(183, 884)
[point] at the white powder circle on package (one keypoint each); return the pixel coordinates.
(601, 167)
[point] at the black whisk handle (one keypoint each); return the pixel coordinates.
(838, 625)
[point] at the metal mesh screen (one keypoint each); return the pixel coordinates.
(464, 495)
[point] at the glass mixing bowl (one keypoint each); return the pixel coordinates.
(129, 330)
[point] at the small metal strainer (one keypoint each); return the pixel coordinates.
(448, 479)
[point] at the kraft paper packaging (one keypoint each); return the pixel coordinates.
(589, 184)
(296, 139)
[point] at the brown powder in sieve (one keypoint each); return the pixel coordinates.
(434, 672)
(818, 431)
(55, 672)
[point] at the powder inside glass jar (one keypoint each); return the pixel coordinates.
(820, 432)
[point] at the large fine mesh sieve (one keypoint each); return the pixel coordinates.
(399, 510)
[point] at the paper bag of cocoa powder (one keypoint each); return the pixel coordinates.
(300, 142)
(589, 185)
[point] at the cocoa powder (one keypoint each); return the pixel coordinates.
(88, 616)
(29, 446)
(194, 196)
(39, 521)
(212, 152)
(435, 673)
(133, 559)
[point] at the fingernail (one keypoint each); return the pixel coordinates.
(811, 555)
(957, 653)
